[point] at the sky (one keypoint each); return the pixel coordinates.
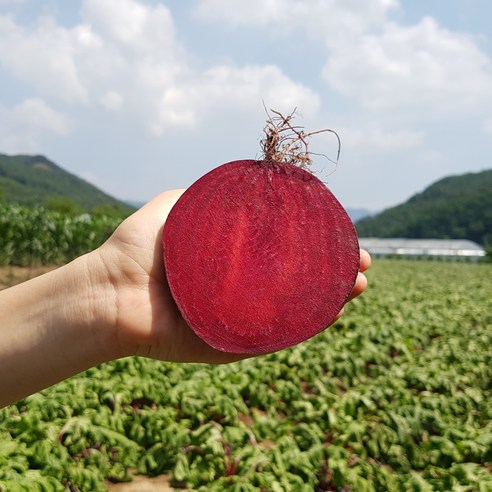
(142, 96)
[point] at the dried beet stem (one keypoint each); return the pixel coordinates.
(289, 143)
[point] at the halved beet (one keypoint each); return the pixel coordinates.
(259, 256)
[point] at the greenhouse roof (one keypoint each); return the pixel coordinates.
(421, 247)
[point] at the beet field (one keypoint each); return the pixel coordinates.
(394, 397)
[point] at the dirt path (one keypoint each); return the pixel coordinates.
(142, 484)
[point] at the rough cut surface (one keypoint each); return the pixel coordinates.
(259, 256)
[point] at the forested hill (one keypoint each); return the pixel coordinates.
(35, 180)
(458, 207)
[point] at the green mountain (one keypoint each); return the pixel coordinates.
(456, 207)
(35, 180)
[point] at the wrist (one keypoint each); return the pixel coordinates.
(95, 307)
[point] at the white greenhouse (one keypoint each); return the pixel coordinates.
(442, 249)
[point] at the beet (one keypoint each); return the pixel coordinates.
(259, 256)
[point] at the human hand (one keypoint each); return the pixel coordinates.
(146, 320)
(107, 304)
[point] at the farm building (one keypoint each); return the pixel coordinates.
(442, 249)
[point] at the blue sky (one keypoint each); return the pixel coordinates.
(140, 96)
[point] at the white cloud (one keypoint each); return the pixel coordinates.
(377, 139)
(240, 88)
(307, 15)
(422, 67)
(112, 101)
(42, 57)
(138, 27)
(125, 56)
(371, 59)
(37, 115)
(237, 12)
(23, 127)
(487, 126)
(122, 71)
(121, 46)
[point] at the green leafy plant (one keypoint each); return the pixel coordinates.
(395, 396)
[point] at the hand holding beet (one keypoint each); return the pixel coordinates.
(256, 256)
(110, 303)
(259, 254)
(148, 321)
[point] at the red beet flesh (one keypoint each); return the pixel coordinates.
(259, 256)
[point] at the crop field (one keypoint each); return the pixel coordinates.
(396, 396)
(36, 236)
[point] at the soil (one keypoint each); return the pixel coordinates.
(143, 484)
